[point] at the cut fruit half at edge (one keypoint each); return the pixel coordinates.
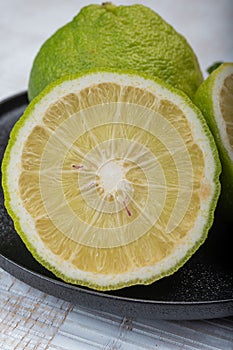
(215, 99)
(112, 179)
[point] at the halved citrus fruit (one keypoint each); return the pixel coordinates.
(215, 99)
(111, 178)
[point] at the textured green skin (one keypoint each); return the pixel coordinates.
(122, 37)
(16, 219)
(204, 100)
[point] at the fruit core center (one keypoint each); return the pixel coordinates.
(111, 174)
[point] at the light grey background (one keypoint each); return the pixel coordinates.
(26, 24)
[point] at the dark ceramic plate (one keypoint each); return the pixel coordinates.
(202, 288)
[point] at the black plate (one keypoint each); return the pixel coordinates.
(203, 288)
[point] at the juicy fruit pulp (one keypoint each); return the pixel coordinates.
(215, 99)
(115, 179)
(123, 37)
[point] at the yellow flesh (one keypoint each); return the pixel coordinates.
(112, 186)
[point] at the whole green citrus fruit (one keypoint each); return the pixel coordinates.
(122, 37)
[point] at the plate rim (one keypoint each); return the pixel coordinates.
(106, 295)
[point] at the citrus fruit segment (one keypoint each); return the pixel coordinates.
(120, 37)
(215, 99)
(111, 179)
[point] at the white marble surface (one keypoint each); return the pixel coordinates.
(30, 319)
